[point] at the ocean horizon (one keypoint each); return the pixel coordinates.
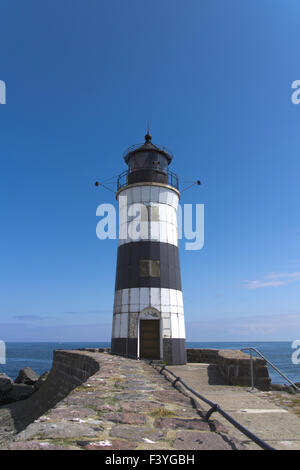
(39, 355)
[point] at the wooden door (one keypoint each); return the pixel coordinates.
(149, 339)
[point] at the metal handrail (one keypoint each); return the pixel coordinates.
(216, 408)
(270, 363)
(172, 177)
(122, 179)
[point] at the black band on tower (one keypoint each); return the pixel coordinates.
(128, 265)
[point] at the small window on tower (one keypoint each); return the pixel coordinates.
(154, 213)
(144, 213)
(149, 267)
(155, 268)
(144, 268)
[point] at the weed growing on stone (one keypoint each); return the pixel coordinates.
(161, 413)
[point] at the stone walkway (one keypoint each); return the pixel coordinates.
(125, 405)
(273, 423)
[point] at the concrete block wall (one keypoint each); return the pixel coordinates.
(69, 370)
(206, 356)
(234, 365)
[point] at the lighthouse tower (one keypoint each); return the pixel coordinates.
(148, 319)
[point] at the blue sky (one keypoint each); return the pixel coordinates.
(214, 79)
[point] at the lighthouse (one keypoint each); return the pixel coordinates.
(148, 316)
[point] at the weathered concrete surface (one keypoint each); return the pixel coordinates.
(273, 423)
(125, 404)
(284, 400)
(234, 366)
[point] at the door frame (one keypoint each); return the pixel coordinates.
(150, 313)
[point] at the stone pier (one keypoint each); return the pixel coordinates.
(98, 401)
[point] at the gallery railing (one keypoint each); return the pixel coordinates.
(172, 178)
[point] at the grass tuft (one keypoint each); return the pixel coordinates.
(161, 413)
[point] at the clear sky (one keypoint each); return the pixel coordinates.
(214, 79)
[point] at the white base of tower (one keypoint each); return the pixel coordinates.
(135, 305)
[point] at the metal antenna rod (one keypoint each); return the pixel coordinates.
(198, 182)
(97, 183)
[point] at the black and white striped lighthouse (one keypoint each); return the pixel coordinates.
(148, 318)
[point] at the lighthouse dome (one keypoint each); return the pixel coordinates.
(147, 162)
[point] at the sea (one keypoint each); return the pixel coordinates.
(39, 356)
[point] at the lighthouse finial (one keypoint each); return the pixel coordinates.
(148, 136)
